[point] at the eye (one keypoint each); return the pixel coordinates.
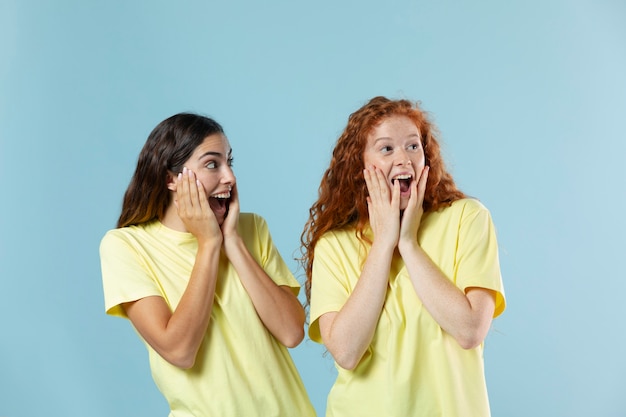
(414, 147)
(211, 165)
(386, 149)
(231, 161)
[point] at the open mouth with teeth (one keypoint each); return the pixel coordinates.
(405, 182)
(219, 204)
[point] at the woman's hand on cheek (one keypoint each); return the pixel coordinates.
(383, 205)
(412, 215)
(231, 221)
(193, 207)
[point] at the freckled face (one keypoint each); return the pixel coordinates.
(395, 147)
(211, 162)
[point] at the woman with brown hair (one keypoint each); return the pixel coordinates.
(202, 283)
(403, 275)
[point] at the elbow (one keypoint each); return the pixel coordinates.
(346, 356)
(468, 344)
(184, 363)
(291, 331)
(293, 338)
(470, 340)
(347, 362)
(182, 360)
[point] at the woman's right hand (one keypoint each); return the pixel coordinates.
(383, 205)
(194, 209)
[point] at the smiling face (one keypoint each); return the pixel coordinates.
(394, 146)
(211, 162)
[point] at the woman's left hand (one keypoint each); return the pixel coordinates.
(412, 215)
(231, 221)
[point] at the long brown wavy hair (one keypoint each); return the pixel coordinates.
(168, 147)
(343, 194)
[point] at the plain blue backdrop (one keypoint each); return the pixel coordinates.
(530, 98)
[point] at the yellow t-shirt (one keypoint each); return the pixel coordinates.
(240, 369)
(412, 367)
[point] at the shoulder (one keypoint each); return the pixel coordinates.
(128, 232)
(250, 217)
(341, 238)
(471, 217)
(340, 234)
(252, 225)
(459, 215)
(116, 236)
(464, 208)
(129, 236)
(468, 205)
(251, 220)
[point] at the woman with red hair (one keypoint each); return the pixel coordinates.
(402, 272)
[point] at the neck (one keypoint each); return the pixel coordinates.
(171, 219)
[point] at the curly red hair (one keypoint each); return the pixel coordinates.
(343, 194)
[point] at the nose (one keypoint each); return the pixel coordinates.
(228, 176)
(403, 158)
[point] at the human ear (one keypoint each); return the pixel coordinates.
(171, 181)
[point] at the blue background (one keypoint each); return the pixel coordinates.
(530, 97)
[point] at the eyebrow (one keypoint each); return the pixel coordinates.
(218, 154)
(412, 135)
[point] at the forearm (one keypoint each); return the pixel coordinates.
(190, 319)
(348, 333)
(456, 313)
(278, 308)
(177, 335)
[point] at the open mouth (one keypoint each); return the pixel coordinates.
(221, 196)
(405, 182)
(219, 203)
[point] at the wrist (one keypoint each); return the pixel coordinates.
(408, 245)
(232, 242)
(209, 245)
(383, 246)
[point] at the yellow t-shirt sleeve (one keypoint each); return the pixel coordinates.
(477, 263)
(268, 256)
(330, 283)
(124, 275)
